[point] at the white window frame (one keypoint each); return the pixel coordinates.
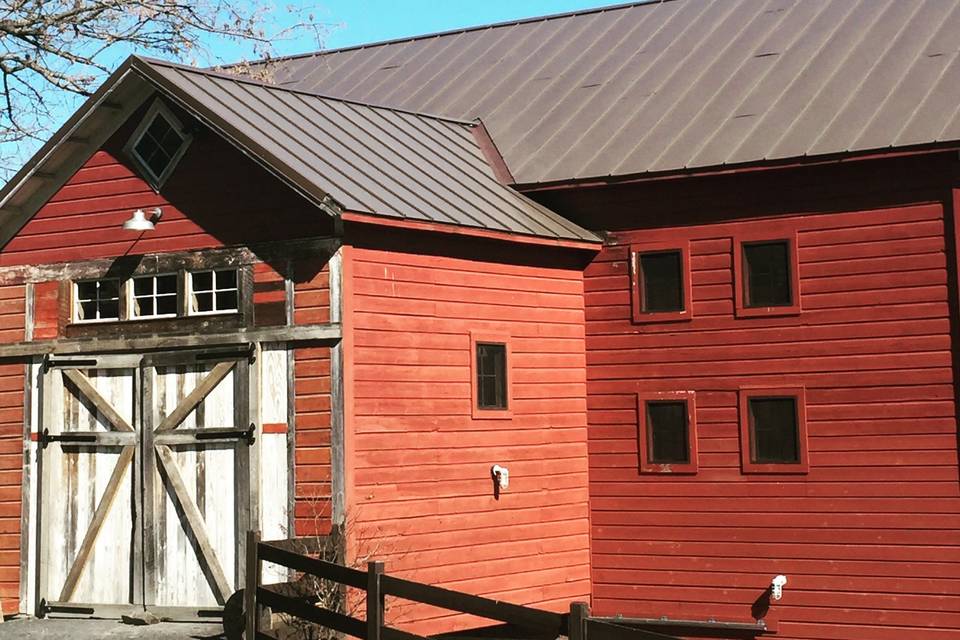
(77, 316)
(132, 297)
(157, 108)
(190, 292)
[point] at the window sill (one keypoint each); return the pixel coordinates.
(662, 316)
(776, 468)
(492, 414)
(768, 312)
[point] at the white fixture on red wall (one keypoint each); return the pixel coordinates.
(139, 221)
(501, 475)
(776, 586)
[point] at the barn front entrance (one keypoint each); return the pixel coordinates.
(144, 482)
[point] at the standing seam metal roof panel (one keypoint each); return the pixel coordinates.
(696, 84)
(370, 159)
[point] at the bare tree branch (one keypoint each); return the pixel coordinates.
(54, 50)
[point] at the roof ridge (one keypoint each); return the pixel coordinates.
(450, 32)
(314, 94)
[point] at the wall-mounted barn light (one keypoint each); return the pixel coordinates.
(139, 221)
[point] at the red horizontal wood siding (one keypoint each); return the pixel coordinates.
(422, 496)
(11, 448)
(215, 197)
(870, 537)
(312, 378)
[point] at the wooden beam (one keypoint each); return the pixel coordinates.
(152, 263)
(299, 333)
(96, 524)
(90, 392)
(195, 397)
(193, 522)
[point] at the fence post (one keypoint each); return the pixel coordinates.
(252, 569)
(577, 623)
(375, 600)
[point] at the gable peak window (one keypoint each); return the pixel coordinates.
(158, 143)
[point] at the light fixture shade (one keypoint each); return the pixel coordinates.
(139, 222)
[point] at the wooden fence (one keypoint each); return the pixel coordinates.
(516, 622)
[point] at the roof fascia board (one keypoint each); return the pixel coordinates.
(472, 232)
(324, 201)
(49, 182)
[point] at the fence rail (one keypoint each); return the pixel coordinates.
(517, 622)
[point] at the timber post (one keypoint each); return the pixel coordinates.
(577, 622)
(252, 584)
(375, 600)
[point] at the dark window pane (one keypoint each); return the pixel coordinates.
(667, 432)
(226, 300)
(226, 279)
(110, 309)
(144, 306)
(109, 289)
(491, 376)
(774, 432)
(767, 274)
(158, 145)
(88, 310)
(166, 305)
(203, 281)
(142, 286)
(167, 284)
(662, 281)
(87, 290)
(203, 302)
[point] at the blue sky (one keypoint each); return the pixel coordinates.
(350, 22)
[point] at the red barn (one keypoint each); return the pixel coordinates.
(686, 270)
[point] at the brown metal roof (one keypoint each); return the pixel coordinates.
(672, 85)
(362, 158)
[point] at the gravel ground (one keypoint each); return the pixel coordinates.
(33, 629)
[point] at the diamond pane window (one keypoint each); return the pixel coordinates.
(214, 291)
(97, 300)
(158, 143)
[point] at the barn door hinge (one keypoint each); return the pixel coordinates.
(246, 352)
(248, 434)
(50, 361)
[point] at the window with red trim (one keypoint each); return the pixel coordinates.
(766, 276)
(490, 374)
(667, 432)
(773, 430)
(660, 282)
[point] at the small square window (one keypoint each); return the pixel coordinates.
(154, 296)
(490, 365)
(667, 432)
(773, 430)
(214, 292)
(158, 143)
(97, 300)
(661, 283)
(767, 282)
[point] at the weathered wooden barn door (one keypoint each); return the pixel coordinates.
(197, 435)
(88, 520)
(145, 482)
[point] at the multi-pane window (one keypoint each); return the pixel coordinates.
(158, 143)
(154, 296)
(97, 300)
(667, 432)
(661, 282)
(773, 431)
(213, 291)
(491, 375)
(766, 274)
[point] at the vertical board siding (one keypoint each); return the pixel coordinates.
(869, 537)
(423, 497)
